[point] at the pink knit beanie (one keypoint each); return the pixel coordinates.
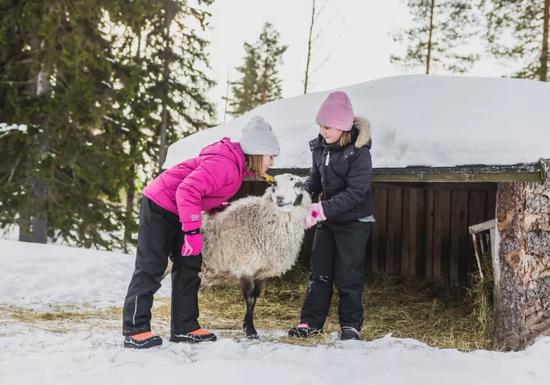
(336, 112)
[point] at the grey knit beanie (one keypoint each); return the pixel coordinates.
(258, 138)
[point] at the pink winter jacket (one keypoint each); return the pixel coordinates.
(201, 183)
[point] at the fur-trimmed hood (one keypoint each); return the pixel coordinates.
(364, 133)
(360, 131)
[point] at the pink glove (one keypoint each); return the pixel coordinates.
(315, 215)
(192, 244)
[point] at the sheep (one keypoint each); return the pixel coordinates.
(256, 238)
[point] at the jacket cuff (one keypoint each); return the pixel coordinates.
(188, 226)
(324, 205)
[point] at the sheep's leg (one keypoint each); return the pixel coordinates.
(249, 291)
(259, 284)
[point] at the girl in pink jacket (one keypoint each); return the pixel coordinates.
(169, 226)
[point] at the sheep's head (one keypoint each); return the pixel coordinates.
(287, 191)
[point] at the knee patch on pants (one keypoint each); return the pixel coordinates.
(320, 278)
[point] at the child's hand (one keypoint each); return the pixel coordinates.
(192, 245)
(310, 221)
(315, 215)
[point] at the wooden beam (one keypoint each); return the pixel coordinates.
(525, 172)
(429, 177)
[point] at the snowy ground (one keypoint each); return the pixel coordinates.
(89, 351)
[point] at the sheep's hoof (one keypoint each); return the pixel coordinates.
(251, 333)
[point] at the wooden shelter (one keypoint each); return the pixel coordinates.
(487, 142)
(422, 219)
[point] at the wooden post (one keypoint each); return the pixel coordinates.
(523, 302)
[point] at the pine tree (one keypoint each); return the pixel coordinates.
(134, 108)
(177, 60)
(162, 62)
(518, 31)
(442, 27)
(259, 82)
(83, 86)
(56, 80)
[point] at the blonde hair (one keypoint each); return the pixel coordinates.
(345, 139)
(254, 163)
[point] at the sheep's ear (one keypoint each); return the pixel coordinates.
(299, 184)
(268, 191)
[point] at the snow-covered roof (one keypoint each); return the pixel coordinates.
(416, 120)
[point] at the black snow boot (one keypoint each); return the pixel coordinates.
(303, 331)
(349, 333)
(142, 341)
(199, 335)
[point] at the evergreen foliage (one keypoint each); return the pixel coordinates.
(259, 81)
(437, 41)
(89, 81)
(517, 31)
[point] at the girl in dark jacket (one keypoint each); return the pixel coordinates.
(341, 172)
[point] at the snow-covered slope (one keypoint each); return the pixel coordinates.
(416, 120)
(37, 276)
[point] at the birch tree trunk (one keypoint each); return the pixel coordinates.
(309, 43)
(430, 37)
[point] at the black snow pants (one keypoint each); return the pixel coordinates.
(159, 237)
(338, 256)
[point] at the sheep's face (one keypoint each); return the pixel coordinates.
(287, 191)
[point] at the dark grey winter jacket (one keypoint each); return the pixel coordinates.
(343, 175)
